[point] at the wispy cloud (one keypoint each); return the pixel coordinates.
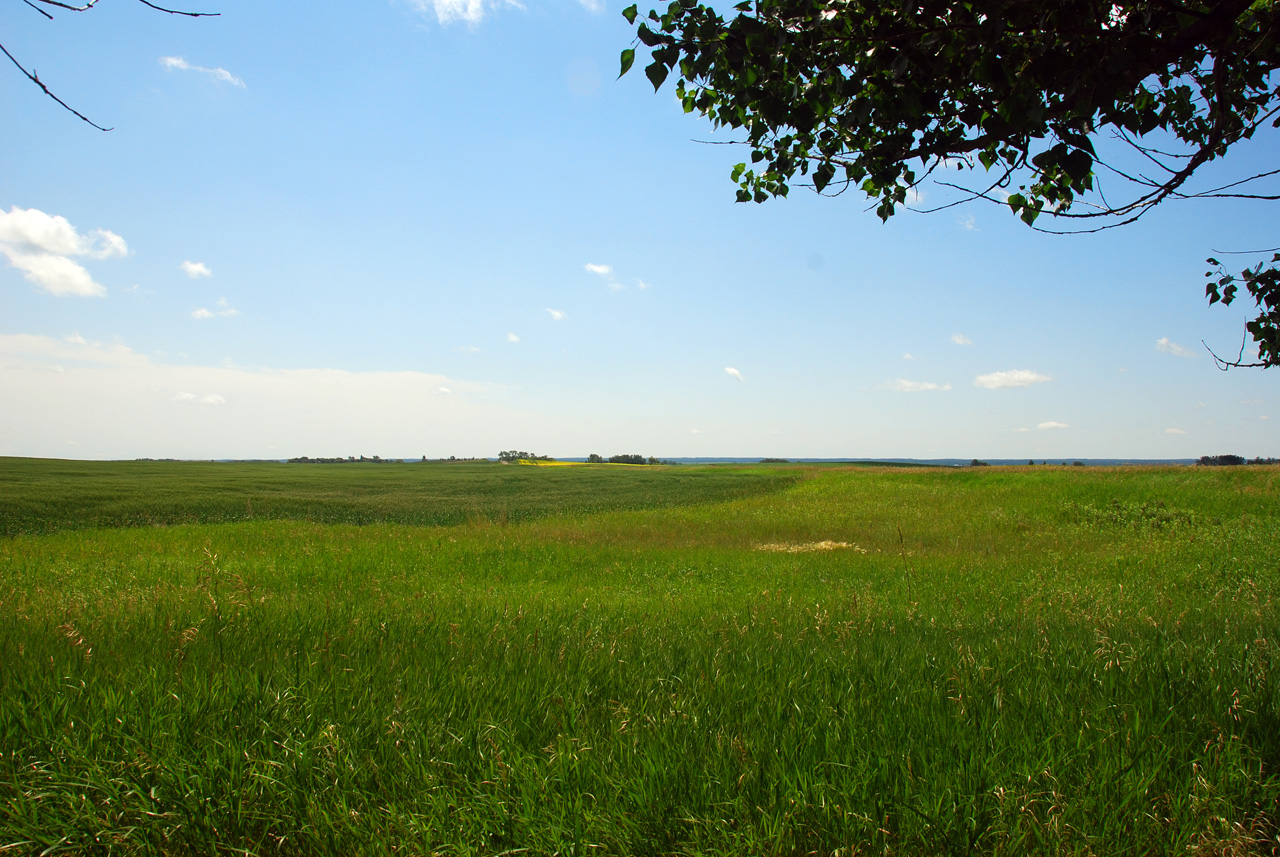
(902, 385)
(470, 11)
(511, 337)
(606, 271)
(219, 74)
(695, 431)
(224, 310)
(196, 270)
(908, 356)
(1168, 346)
(557, 314)
(1050, 425)
(968, 222)
(641, 284)
(1174, 431)
(41, 245)
(445, 391)
(469, 349)
(733, 373)
(1011, 378)
(192, 399)
(113, 402)
(961, 339)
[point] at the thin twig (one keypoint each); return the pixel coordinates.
(36, 80)
(38, 9)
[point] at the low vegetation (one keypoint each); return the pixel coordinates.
(695, 660)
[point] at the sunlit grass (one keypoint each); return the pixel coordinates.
(1047, 660)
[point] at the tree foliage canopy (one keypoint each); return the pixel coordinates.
(879, 94)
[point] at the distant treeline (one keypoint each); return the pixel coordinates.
(350, 459)
(519, 455)
(593, 458)
(1232, 460)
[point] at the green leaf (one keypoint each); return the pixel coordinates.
(657, 73)
(822, 176)
(628, 57)
(630, 13)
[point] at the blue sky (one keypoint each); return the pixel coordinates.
(428, 229)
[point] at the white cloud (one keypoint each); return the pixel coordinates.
(219, 74)
(1174, 431)
(448, 11)
(224, 310)
(195, 270)
(968, 222)
(908, 356)
(961, 339)
(469, 349)
(902, 385)
(557, 314)
(57, 275)
(695, 431)
(1168, 346)
(193, 399)
(615, 286)
(1022, 430)
(602, 270)
(511, 337)
(733, 372)
(1011, 378)
(641, 284)
(446, 391)
(1049, 425)
(113, 402)
(40, 245)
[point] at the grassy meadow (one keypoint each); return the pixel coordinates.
(469, 659)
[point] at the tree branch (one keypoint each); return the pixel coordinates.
(36, 80)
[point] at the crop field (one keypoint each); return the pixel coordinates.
(470, 659)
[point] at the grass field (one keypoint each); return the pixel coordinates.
(474, 659)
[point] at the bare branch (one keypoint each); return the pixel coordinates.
(180, 12)
(1238, 363)
(38, 9)
(36, 80)
(1246, 252)
(91, 3)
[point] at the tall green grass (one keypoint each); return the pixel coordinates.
(45, 495)
(999, 662)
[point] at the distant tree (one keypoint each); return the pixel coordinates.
(520, 455)
(594, 458)
(1077, 464)
(1221, 460)
(1031, 462)
(627, 459)
(774, 461)
(977, 463)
